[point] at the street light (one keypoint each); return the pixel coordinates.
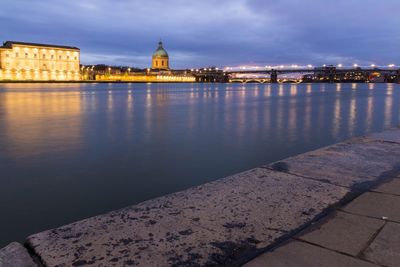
(340, 65)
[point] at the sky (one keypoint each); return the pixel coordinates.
(212, 32)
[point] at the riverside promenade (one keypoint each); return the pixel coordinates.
(336, 206)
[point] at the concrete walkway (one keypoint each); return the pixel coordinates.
(235, 219)
(365, 232)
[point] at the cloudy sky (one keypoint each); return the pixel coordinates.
(212, 32)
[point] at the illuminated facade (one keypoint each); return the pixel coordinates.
(160, 59)
(39, 62)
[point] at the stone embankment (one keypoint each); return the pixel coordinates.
(227, 222)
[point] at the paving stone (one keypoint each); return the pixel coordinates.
(225, 222)
(344, 232)
(299, 254)
(376, 205)
(355, 163)
(385, 249)
(391, 135)
(392, 187)
(15, 255)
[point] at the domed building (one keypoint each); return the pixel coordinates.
(160, 58)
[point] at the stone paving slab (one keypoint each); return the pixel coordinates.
(300, 254)
(356, 163)
(225, 222)
(391, 135)
(376, 205)
(392, 187)
(343, 232)
(15, 255)
(385, 249)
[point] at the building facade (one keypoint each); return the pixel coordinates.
(20, 61)
(160, 59)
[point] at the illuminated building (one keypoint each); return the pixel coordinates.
(160, 59)
(39, 62)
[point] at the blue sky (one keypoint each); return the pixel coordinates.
(212, 32)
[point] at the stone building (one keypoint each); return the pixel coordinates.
(39, 62)
(160, 59)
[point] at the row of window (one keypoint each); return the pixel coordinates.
(43, 56)
(44, 66)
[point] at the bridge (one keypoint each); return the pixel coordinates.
(309, 74)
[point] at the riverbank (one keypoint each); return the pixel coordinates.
(365, 232)
(229, 221)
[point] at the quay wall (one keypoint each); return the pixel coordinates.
(226, 222)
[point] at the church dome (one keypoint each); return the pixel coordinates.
(160, 52)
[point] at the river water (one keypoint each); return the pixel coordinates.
(71, 151)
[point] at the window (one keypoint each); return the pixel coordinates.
(68, 57)
(7, 55)
(156, 63)
(26, 55)
(44, 56)
(59, 57)
(76, 58)
(52, 56)
(16, 54)
(35, 55)
(162, 63)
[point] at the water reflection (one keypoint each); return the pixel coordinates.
(26, 117)
(87, 149)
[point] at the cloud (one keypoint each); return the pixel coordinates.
(211, 32)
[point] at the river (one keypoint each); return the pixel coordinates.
(71, 151)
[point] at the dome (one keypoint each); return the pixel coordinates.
(160, 52)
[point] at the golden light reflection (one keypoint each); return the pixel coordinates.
(292, 120)
(370, 109)
(309, 88)
(371, 86)
(307, 118)
(293, 90)
(352, 115)
(280, 90)
(388, 104)
(337, 116)
(267, 91)
(37, 123)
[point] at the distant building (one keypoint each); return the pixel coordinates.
(39, 62)
(160, 60)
